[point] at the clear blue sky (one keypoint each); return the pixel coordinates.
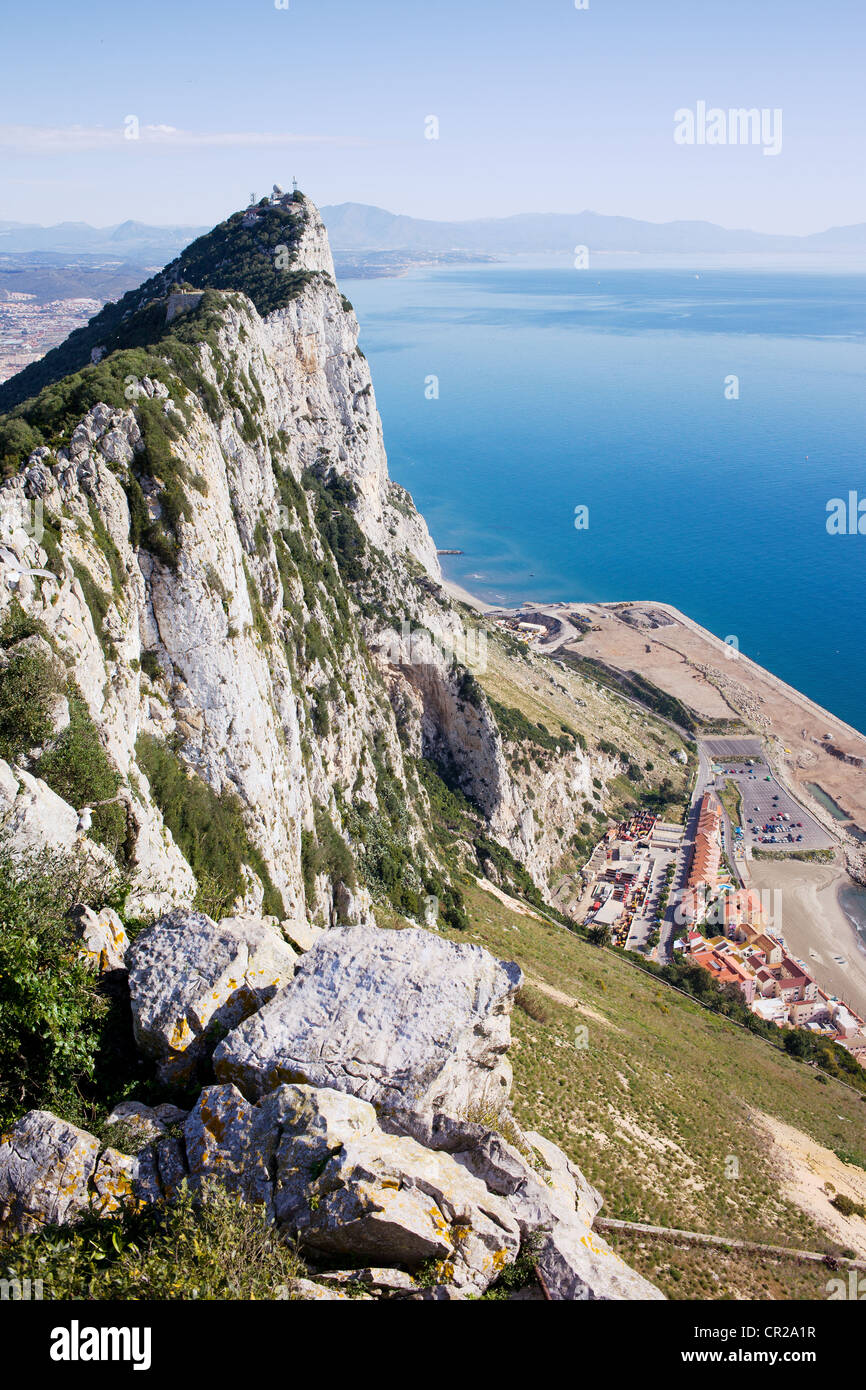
(542, 107)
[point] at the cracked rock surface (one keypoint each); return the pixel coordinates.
(400, 1018)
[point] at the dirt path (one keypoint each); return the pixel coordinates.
(810, 1175)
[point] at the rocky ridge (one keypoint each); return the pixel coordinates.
(229, 572)
(414, 1182)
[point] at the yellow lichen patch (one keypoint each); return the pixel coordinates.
(439, 1221)
(180, 1035)
(593, 1246)
(214, 1124)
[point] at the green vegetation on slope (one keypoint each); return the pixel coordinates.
(29, 687)
(65, 1038)
(78, 768)
(209, 829)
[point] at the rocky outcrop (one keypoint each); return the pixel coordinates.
(332, 1178)
(53, 1173)
(413, 1181)
(400, 1018)
(191, 978)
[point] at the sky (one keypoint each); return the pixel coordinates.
(541, 107)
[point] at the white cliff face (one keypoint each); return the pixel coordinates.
(245, 650)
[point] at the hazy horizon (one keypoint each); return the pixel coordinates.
(59, 221)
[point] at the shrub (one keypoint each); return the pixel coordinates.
(213, 1246)
(847, 1206)
(79, 769)
(51, 1011)
(28, 687)
(150, 666)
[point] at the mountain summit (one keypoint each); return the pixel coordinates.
(241, 254)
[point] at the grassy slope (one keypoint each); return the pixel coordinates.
(655, 1103)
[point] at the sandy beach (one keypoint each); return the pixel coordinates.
(814, 925)
(461, 595)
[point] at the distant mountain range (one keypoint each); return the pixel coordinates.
(357, 227)
(129, 241)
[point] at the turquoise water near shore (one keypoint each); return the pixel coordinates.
(606, 388)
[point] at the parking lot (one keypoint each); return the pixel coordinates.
(720, 748)
(642, 924)
(766, 802)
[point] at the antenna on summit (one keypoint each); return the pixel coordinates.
(294, 185)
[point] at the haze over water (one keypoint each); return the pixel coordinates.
(606, 387)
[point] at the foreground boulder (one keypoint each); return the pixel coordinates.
(331, 1177)
(103, 938)
(403, 1019)
(191, 979)
(52, 1173)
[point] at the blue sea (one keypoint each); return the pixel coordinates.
(557, 388)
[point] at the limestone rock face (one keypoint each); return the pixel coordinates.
(103, 938)
(34, 819)
(202, 650)
(401, 1018)
(190, 976)
(332, 1177)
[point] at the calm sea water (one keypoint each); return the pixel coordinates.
(560, 388)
